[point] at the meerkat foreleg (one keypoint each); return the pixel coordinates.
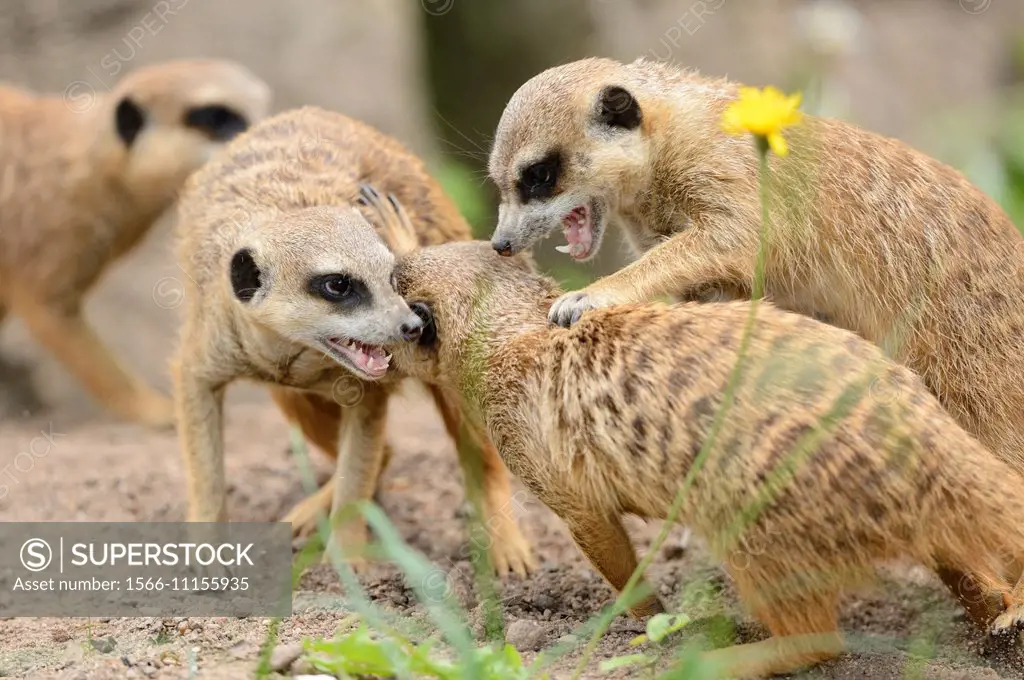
(690, 262)
(200, 411)
(71, 340)
(510, 551)
(602, 538)
(361, 446)
(319, 419)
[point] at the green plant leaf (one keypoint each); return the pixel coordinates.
(661, 626)
(623, 661)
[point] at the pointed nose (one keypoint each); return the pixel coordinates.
(503, 246)
(412, 329)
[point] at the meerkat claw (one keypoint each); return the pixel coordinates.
(568, 309)
(1010, 620)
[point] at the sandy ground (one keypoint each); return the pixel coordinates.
(104, 470)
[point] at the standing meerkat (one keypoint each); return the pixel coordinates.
(81, 182)
(609, 418)
(288, 285)
(868, 233)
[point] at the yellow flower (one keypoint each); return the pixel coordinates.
(763, 113)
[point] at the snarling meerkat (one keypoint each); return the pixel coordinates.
(82, 179)
(611, 417)
(865, 232)
(288, 285)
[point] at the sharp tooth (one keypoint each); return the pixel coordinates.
(387, 357)
(563, 249)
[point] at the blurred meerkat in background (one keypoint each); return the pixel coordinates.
(82, 182)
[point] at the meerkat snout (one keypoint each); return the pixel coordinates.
(412, 329)
(428, 331)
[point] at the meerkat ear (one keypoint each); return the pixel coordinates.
(616, 107)
(129, 119)
(245, 275)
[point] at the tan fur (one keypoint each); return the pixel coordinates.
(286, 190)
(837, 457)
(866, 232)
(74, 198)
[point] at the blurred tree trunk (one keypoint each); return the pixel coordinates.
(478, 54)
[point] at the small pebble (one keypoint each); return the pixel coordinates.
(543, 601)
(526, 635)
(104, 645)
(73, 652)
(284, 655)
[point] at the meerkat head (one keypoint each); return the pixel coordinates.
(570, 147)
(468, 298)
(321, 277)
(165, 121)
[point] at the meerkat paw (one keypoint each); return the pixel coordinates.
(568, 309)
(511, 553)
(308, 512)
(1009, 621)
(348, 543)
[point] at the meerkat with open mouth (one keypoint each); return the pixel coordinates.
(289, 285)
(872, 235)
(82, 181)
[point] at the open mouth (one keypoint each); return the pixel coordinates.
(369, 360)
(578, 227)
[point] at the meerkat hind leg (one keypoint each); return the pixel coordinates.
(1012, 616)
(79, 349)
(510, 550)
(803, 628)
(603, 540)
(970, 591)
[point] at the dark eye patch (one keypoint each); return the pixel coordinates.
(129, 119)
(245, 275)
(340, 289)
(219, 123)
(538, 181)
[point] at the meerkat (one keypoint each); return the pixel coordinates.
(83, 178)
(609, 417)
(288, 285)
(865, 232)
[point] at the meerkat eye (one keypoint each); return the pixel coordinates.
(335, 287)
(538, 181)
(339, 288)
